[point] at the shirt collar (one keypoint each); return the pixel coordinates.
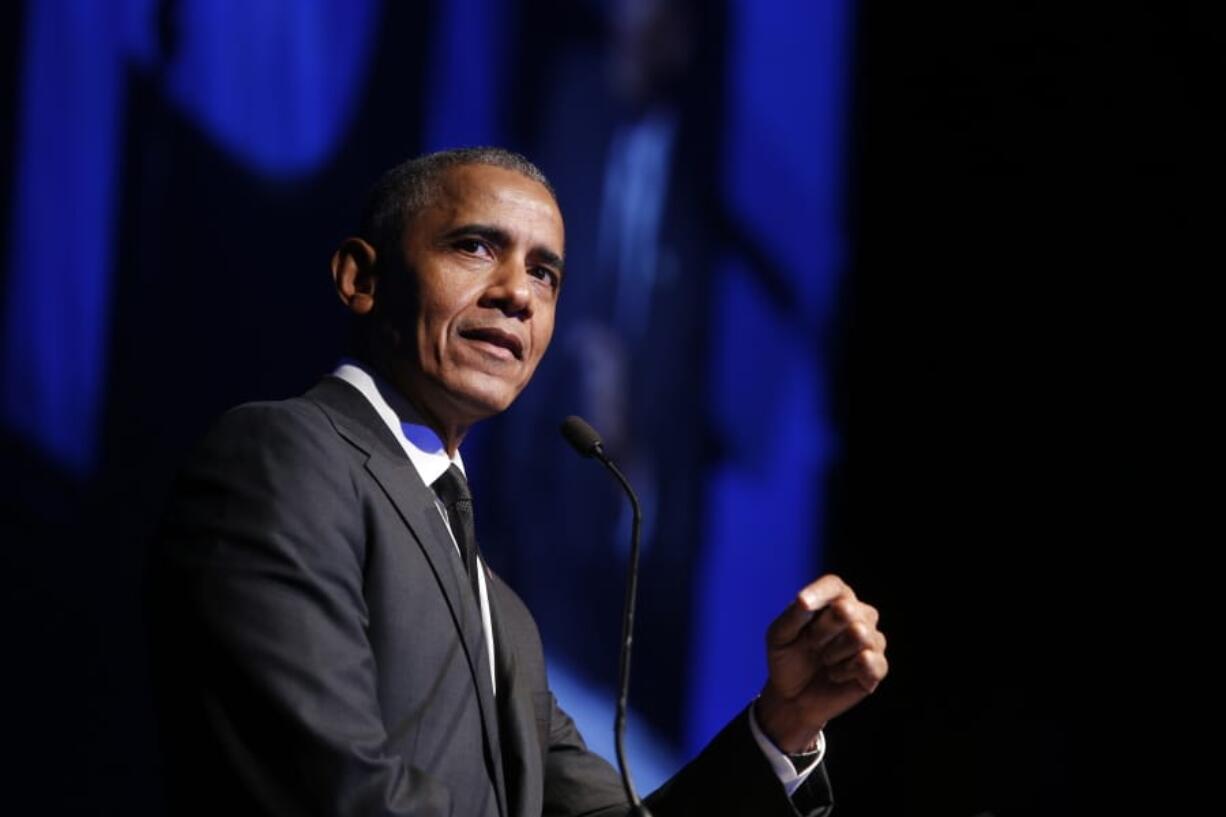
(420, 442)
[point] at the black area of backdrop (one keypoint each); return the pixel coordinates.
(1020, 202)
(999, 155)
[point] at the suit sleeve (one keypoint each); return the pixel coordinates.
(729, 777)
(273, 703)
(732, 776)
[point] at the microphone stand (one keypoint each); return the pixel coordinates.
(587, 442)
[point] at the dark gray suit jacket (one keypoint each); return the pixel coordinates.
(322, 651)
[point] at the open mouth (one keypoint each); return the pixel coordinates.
(496, 337)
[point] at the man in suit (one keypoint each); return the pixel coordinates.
(333, 643)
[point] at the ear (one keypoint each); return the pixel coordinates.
(354, 273)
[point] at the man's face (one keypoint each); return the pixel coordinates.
(484, 265)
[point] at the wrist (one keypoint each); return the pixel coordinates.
(811, 749)
(781, 722)
(803, 760)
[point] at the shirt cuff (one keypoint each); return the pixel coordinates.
(788, 775)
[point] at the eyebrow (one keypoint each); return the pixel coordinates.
(501, 238)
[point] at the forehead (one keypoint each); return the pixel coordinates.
(496, 197)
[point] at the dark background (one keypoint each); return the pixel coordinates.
(1020, 182)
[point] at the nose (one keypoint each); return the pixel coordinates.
(510, 290)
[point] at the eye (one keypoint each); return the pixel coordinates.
(547, 274)
(472, 246)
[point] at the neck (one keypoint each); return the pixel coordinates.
(451, 434)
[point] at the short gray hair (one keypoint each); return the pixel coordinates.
(409, 187)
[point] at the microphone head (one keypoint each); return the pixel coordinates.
(582, 437)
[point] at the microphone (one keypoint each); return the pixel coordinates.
(584, 439)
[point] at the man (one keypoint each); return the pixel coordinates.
(335, 646)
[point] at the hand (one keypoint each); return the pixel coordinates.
(824, 655)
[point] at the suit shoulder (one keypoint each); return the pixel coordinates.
(274, 465)
(285, 447)
(296, 423)
(293, 413)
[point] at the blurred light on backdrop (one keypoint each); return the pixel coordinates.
(274, 84)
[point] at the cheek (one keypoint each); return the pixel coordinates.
(544, 333)
(434, 320)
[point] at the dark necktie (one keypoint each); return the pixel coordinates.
(452, 489)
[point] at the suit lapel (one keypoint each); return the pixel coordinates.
(521, 757)
(355, 420)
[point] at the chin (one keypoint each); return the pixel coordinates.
(484, 400)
